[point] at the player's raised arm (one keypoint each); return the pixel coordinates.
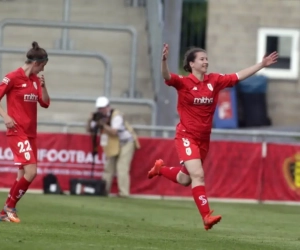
(170, 79)
(266, 61)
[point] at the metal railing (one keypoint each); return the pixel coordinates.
(263, 134)
(76, 53)
(83, 26)
(129, 101)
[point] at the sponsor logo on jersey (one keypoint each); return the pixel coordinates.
(203, 100)
(31, 98)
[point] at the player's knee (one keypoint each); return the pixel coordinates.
(30, 172)
(187, 183)
(197, 175)
(184, 179)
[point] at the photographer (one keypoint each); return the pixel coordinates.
(119, 142)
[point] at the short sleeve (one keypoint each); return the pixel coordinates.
(117, 122)
(225, 81)
(175, 81)
(5, 85)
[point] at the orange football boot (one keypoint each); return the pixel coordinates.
(210, 221)
(154, 171)
(12, 214)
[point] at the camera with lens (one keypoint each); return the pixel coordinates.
(97, 116)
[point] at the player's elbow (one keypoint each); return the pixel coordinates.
(166, 77)
(45, 105)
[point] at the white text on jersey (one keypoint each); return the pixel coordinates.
(31, 98)
(6, 80)
(203, 100)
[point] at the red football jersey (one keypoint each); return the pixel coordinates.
(22, 94)
(197, 101)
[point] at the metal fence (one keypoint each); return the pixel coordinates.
(75, 53)
(253, 135)
(82, 26)
(64, 50)
(126, 101)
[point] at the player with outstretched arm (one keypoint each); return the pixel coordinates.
(197, 99)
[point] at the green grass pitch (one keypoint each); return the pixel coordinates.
(73, 222)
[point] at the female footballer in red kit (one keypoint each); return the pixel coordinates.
(197, 100)
(23, 90)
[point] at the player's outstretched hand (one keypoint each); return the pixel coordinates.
(165, 52)
(9, 122)
(270, 59)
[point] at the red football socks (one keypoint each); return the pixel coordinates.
(201, 201)
(8, 197)
(170, 173)
(20, 189)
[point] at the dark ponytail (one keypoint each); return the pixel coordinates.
(35, 46)
(36, 54)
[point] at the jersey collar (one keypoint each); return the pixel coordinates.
(195, 79)
(22, 72)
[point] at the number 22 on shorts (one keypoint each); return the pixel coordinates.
(186, 144)
(24, 147)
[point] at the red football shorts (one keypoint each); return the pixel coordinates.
(24, 150)
(189, 148)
